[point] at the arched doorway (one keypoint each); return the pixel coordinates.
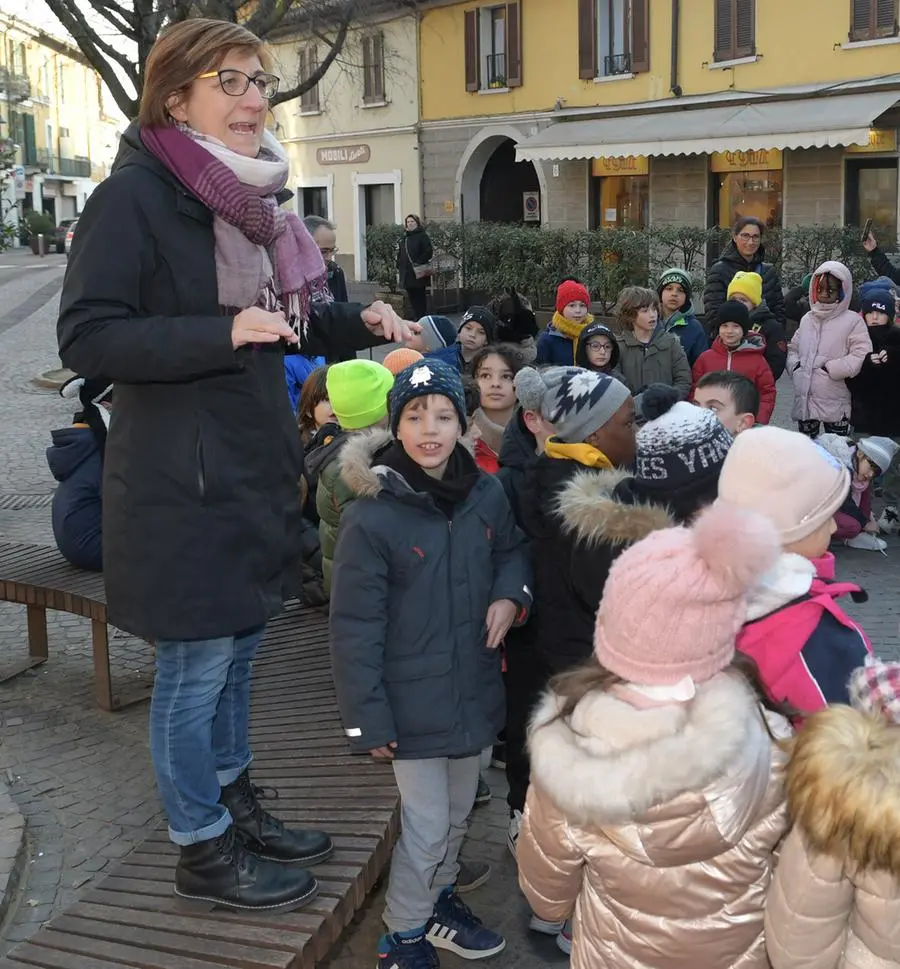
(491, 182)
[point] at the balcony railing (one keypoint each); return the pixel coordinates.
(616, 64)
(53, 164)
(495, 74)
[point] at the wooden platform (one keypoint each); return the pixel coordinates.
(133, 919)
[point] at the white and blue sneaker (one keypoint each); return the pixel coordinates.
(403, 951)
(455, 928)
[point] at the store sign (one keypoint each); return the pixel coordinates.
(628, 165)
(347, 155)
(760, 160)
(880, 139)
(531, 206)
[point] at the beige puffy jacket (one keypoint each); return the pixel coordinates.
(835, 899)
(657, 827)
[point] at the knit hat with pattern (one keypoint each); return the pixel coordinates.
(880, 300)
(675, 276)
(576, 402)
(875, 689)
(653, 631)
(680, 448)
(484, 318)
(423, 379)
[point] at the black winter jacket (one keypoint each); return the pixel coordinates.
(875, 390)
(722, 272)
(203, 458)
(764, 322)
(415, 250)
(577, 526)
(518, 453)
(883, 266)
(409, 597)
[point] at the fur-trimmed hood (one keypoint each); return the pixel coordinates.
(703, 765)
(589, 510)
(843, 788)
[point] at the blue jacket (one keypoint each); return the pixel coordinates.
(451, 355)
(297, 367)
(409, 596)
(75, 462)
(555, 349)
(684, 324)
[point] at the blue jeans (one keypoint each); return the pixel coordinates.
(199, 726)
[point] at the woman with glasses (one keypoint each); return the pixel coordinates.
(186, 284)
(744, 253)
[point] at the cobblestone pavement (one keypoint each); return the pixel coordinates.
(82, 777)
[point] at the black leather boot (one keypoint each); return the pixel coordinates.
(266, 836)
(224, 872)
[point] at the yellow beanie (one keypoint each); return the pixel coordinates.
(746, 284)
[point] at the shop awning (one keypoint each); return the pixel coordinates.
(800, 123)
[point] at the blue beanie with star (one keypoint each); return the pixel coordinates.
(423, 378)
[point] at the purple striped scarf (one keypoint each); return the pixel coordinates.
(264, 255)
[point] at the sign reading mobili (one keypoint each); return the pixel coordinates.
(345, 155)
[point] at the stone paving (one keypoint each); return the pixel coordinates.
(81, 778)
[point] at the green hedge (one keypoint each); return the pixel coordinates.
(488, 257)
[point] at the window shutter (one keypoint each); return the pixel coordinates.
(367, 68)
(860, 19)
(745, 28)
(471, 49)
(724, 49)
(378, 66)
(640, 36)
(587, 39)
(514, 45)
(885, 17)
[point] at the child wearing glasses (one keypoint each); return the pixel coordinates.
(598, 350)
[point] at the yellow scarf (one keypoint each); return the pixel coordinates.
(584, 454)
(570, 329)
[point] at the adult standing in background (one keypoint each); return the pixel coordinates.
(184, 286)
(744, 252)
(880, 262)
(415, 251)
(324, 235)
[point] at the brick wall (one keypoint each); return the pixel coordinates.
(678, 188)
(812, 191)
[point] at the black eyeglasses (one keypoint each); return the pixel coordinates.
(235, 83)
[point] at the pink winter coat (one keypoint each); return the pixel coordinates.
(830, 345)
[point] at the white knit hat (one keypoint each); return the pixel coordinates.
(879, 450)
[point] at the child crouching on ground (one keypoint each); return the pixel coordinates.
(856, 525)
(835, 898)
(804, 644)
(656, 800)
(418, 609)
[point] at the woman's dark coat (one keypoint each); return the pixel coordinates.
(415, 250)
(723, 271)
(203, 458)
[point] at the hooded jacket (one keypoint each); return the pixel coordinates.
(409, 597)
(581, 354)
(661, 361)
(657, 826)
(835, 899)
(722, 272)
(557, 345)
(684, 324)
(201, 517)
(875, 390)
(332, 495)
(804, 644)
(577, 528)
(75, 462)
(748, 359)
(829, 346)
(518, 455)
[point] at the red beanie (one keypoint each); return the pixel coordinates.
(571, 292)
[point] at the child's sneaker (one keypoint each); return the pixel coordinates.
(472, 875)
(564, 937)
(866, 541)
(498, 755)
(415, 952)
(454, 927)
(889, 522)
(545, 927)
(483, 794)
(512, 832)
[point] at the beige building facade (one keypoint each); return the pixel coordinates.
(353, 140)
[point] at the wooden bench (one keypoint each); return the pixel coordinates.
(132, 918)
(39, 578)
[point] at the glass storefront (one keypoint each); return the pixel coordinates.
(871, 193)
(620, 193)
(748, 183)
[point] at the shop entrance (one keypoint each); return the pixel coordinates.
(872, 194)
(494, 187)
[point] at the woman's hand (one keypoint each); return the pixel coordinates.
(878, 358)
(382, 320)
(255, 325)
(870, 243)
(871, 527)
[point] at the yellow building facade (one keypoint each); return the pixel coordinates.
(60, 118)
(586, 113)
(353, 138)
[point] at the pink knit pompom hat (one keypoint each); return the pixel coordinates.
(674, 602)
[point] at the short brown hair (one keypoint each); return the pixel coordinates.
(184, 51)
(632, 299)
(312, 394)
